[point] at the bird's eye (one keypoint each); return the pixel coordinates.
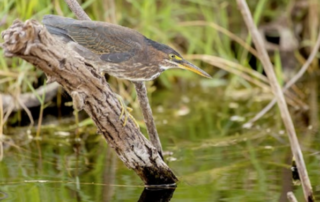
(174, 57)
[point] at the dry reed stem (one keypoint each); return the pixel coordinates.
(77, 10)
(212, 59)
(295, 147)
(254, 77)
(291, 197)
(290, 83)
(9, 74)
(234, 68)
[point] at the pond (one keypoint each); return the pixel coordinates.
(201, 131)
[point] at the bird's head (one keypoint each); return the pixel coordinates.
(169, 58)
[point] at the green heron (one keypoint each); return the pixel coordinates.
(120, 52)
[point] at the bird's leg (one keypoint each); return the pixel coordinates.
(147, 115)
(125, 111)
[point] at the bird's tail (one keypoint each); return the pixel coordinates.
(57, 25)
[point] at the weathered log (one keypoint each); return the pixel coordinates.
(89, 90)
(30, 99)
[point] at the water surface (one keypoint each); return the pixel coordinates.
(214, 158)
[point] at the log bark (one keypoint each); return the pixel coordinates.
(89, 90)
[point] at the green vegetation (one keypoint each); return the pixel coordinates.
(199, 120)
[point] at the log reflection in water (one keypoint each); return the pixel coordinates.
(157, 195)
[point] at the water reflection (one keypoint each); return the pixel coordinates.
(154, 195)
(213, 156)
(286, 180)
(109, 176)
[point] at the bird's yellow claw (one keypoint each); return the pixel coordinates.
(125, 112)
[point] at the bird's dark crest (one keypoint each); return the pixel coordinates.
(162, 47)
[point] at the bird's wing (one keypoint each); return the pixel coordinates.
(113, 43)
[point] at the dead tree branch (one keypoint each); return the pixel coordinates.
(89, 90)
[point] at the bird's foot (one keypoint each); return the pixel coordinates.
(125, 112)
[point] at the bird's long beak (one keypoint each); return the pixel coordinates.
(189, 66)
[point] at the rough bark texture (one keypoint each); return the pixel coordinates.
(89, 90)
